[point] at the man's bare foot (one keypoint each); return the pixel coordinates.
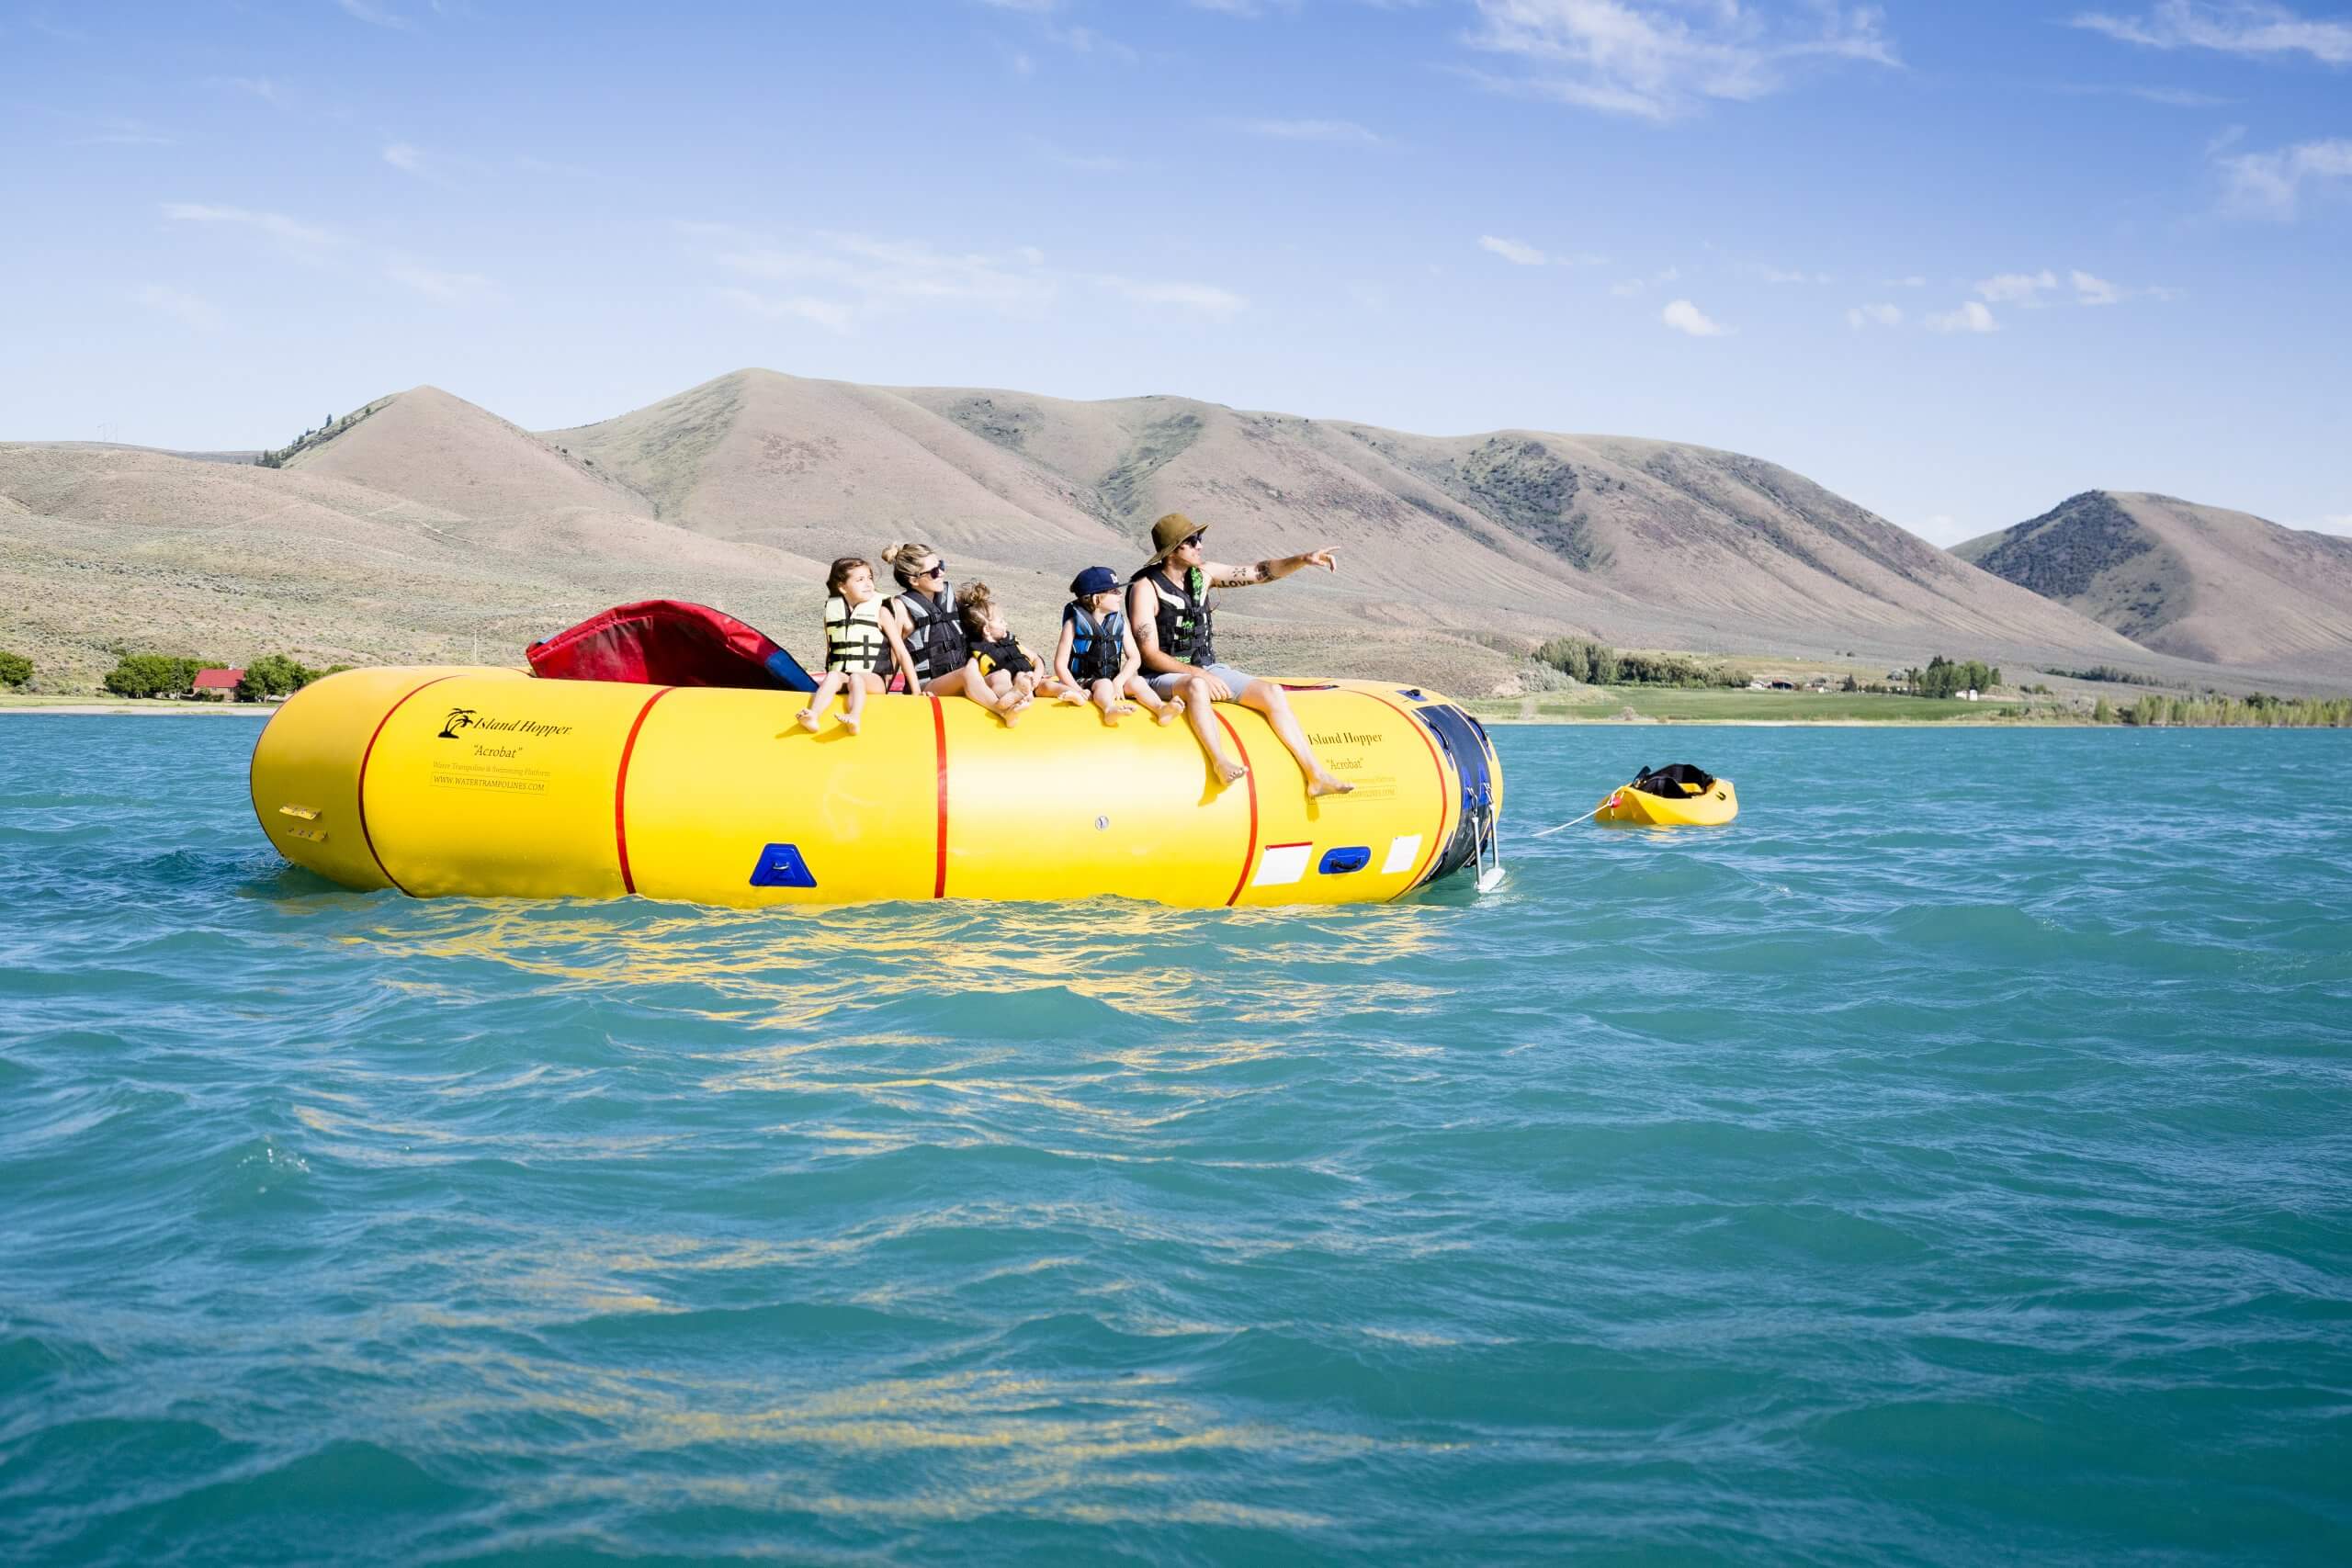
(1324, 784)
(808, 719)
(1229, 772)
(1169, 711)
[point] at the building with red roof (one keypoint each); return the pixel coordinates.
(216, 683)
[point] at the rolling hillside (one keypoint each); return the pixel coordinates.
(430, 526)
(2194, 582)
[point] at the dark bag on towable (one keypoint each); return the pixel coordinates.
(668, 642)
(1676, 781)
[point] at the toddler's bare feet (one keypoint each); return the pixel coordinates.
(1169, 711)
(850, 722)
(808, 718)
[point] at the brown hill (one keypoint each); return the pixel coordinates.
(1646, 543)
(425, 446)
(103, 549)
(2196, 581)
(1640, 541)
(405, 529)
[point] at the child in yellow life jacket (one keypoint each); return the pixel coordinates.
(857, 638)
(1011, 672)
(1097, 654)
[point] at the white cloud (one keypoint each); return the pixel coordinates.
(1087, 40)
(115, 132)
(1780, 275)
(1204, 298)
(2016, 287)
(2089, 291)
(376, 15)
(839, 279)
(2231, 26)
(1970, 317)
(1636, 286)
(1685, 317)
(1660, 59)
(197, 315)
(408, 160)
(448, 287)
(262, 87)
(292, 232)
(828, 313)
(1513, 251)
(1339, 132)
(1862, 316)
(2270, 184)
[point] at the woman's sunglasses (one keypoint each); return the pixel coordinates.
(936, 569)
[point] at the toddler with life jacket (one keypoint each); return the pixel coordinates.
(1097, 654)
(1012, 672)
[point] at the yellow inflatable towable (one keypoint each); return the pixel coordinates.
(490, 783)
(1677, 795)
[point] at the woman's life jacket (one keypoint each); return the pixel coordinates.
(936, 644)
(1096, 642)
(853, 639)
(1183, 621)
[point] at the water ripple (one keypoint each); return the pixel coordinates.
(1933, 1167)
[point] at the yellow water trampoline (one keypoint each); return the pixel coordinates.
(492, 782)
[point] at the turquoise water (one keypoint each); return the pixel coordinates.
(1951, 1162)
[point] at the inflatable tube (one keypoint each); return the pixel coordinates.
(489, 783)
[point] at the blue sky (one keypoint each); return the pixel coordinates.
(1956, 263)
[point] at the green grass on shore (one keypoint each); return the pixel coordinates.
(1600, 705)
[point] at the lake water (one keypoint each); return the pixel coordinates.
(1949, 1163)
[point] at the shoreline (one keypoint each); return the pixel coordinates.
(80, 708)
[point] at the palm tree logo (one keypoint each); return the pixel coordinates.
(459, 719)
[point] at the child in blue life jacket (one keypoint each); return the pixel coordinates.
(1097, 654)
(858, 638)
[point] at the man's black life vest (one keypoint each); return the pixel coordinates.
(1096, 643)
(936, 644)
(853, 638)
(1184, 618)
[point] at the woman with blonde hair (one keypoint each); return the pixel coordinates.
(923, 611)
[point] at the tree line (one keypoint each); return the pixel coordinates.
(1946, 678)
(173, 675)
(328, 429)
(1598, 664)
(2256, 710)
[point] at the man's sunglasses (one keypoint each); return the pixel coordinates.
(1188, 540)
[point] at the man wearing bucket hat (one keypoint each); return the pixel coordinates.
(1168, 605)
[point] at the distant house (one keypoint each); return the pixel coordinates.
(1784, 685)
(216, 684)
(1966, 695)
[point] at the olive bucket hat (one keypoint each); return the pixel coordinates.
(1170, 532)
